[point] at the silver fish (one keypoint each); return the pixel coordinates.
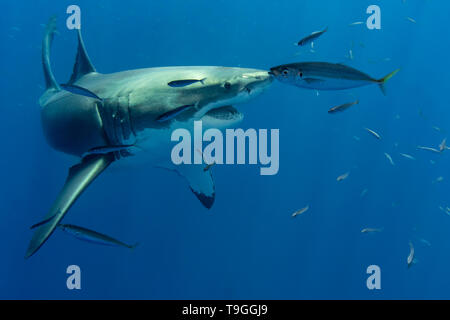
(343, 176)
(298, 212)
(371, 230)
(93, 236)
(410, 260)
(407, 156)
(311, 37)
(428, 149)
(388, 156)
(343, 107)
(376, 135)
(325, 76)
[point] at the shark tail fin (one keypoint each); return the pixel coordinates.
(381, 82)
(50, 30)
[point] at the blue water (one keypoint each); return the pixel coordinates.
(247, 246)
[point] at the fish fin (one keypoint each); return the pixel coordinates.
(50, 30)
(382, 81)
(83, 64)
(201, 182)
(79, 178)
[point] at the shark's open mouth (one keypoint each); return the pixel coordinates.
(224, 113)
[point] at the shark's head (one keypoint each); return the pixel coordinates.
(204, 90)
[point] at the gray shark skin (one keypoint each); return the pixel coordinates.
(126, 112)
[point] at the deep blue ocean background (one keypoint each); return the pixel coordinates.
(247, 246)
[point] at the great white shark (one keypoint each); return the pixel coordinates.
(125, 109)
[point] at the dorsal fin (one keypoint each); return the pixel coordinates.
(50, 30)
(83, 64)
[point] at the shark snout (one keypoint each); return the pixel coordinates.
(257, 81)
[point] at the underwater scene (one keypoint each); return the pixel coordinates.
(282, 150)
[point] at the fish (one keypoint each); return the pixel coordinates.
(426, 242)
(437, 128)
(438, 179)
(343, 176)
(173, 113)
(376, 135)
(407, 156)
(411, 19)
(93, 236)
(388, 156)
(326, 76)
(298, 212)
(356, 138)
(364, 192)
(350, 53)
(411, 260)
(428, 149)
(310, 38)
(356, 23)
(184, 83)
(343, 107)
(371, 230)
(80, 91)
(107, 149)
(443, 145)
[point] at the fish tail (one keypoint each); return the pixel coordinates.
(381, 82)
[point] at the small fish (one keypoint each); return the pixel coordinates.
(325, 76)
(311, 37)
(356, 138)
(428, 149)
(173, 113)
(184, 83)
(388, 156)
(79, 90)
(108, 149)
(350, 53)
(407, 156)
(343, 176)
(371, 230)
(364, 192)
(437, 129)
(356, 23)
(411, 19)
(445, 210)
(298, 212)
(343, 107)
(410, 260)
(376, 135)
(443, 145)
(93, 236)
(438, 179)
(426, 242)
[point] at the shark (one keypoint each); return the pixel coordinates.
(126, 118)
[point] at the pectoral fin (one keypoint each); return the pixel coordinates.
(79, 178)
(200, 181)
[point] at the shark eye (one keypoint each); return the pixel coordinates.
(227, 85)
